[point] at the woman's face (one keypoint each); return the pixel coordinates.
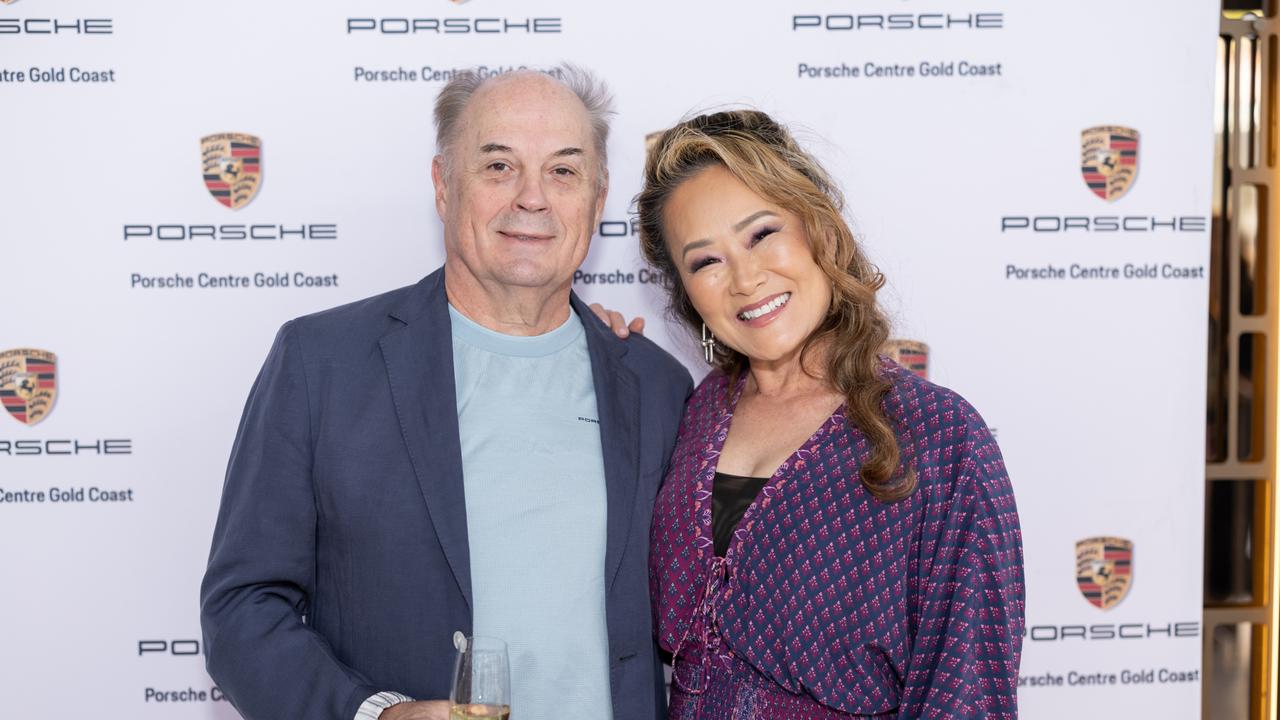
(746, 265)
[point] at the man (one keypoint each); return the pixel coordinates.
(468, 455)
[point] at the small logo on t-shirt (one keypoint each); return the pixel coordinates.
(590, 420)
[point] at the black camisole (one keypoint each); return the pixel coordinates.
(731, 495)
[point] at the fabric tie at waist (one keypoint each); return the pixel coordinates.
(692, 661)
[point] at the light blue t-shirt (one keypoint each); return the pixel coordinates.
(533, 475)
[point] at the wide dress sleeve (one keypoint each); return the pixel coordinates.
(970, 594)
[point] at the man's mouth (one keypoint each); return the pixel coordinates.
(523, 236)
(764, 307)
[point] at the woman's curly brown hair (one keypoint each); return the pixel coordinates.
(763, 155)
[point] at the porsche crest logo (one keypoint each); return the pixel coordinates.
(910, 354)
(28, 384)
(1104, 570)
(232, 167)
(1109, 160)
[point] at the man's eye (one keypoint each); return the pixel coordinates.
(499, 166)
(565, 172)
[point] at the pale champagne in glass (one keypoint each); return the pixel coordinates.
(481, 681)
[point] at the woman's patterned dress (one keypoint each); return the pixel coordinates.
(830, 603)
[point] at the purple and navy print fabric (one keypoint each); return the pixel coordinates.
(829, 603)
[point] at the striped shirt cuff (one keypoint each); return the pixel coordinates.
(370, 709)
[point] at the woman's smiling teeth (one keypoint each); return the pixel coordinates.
(774, 304)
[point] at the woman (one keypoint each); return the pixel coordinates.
(836, 537)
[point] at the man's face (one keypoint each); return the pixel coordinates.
(524, 190)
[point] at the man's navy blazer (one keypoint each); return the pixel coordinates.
(340, 565)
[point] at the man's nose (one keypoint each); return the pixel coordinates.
(531, 197)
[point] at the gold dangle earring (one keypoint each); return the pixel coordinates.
(708, 344)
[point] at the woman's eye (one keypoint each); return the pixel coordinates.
(762, 233)
(701, 263)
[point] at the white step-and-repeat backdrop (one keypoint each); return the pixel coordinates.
(1034, 179)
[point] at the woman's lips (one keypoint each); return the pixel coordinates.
(765, 309)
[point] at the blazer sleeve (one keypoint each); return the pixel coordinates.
(254, 599)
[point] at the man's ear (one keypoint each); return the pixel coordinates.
(601, 195)
(438, 175)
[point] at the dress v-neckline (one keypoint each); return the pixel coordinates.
(706, 477)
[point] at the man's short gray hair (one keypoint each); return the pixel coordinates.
(593, 93)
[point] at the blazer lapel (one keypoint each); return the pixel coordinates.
(618, 402)
(419, 360)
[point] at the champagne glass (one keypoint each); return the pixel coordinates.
(481, 681)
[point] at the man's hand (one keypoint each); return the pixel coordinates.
(616, 322)
(425, 710)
